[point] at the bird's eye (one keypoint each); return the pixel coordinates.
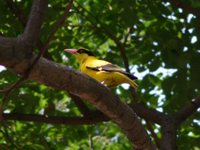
(84, 51)
(80, 51)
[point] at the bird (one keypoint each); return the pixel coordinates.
(103, 71)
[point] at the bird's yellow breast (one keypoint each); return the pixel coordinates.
(109, 79)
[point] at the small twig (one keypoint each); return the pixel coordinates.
(1, 111)
(8, 136)
(187, 111)
(123, 54)
(13, 86)
(134, 95)
(135, 98)
(58, 24)
(91, 144)
(81, 106)
(150, 128)
(6, 93)
(130, 30)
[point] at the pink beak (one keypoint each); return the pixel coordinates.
(72, 51)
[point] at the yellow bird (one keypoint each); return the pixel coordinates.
(105, 72)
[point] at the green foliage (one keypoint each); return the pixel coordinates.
(156, 35)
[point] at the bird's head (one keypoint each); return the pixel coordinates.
(80, 54)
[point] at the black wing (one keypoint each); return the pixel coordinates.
(112, 68)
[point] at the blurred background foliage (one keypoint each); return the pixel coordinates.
(161, 43)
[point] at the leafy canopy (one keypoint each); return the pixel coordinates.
(162, 48)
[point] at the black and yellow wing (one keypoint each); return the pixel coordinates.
(112, 68)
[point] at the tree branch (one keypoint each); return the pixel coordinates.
(47, 72)
(7, 42)
(81, 106)
(59, 23)
(187, 111)
(154, 135)
(32, 30)
(7, 48)
(186, 7)
(168, 130)
(55, 120)
(171, 122)
(148, 113)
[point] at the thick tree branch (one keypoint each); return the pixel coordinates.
(170, 124)
(34, 15)
(30, 35)
(26, 41)
(168, 130)
(32, 30)
(7, 47)
(55, 120)
(6, 42)
(187, 111)
(148, 113)
(58, 24)
(47, 72)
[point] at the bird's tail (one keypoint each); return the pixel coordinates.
(133, 84)
(130, 80)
